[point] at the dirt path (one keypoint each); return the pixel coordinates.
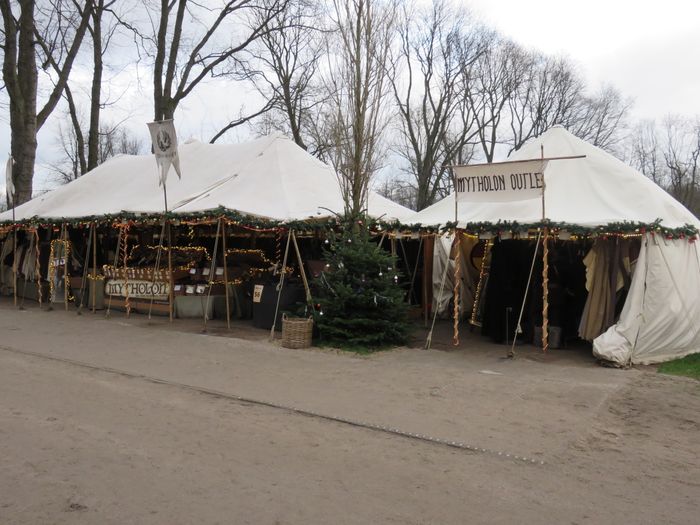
(81, 445)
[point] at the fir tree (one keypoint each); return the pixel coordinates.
(361, 304)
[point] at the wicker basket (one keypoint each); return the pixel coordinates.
(296, 331)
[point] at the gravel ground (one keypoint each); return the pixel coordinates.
(122, 421)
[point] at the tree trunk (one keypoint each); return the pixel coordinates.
(95, 95)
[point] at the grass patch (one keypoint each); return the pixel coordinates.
(688, 366)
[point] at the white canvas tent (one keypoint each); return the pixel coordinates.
(270, 178)
(661, 316)
(594, 191)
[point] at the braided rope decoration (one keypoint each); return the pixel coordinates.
(125, 258)
(457, 289)
(37, 268)
(545, 291)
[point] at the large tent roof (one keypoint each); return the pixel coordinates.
(270, 178)
(593, 191)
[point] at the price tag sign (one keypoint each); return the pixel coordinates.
(257, 293)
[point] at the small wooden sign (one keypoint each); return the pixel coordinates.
(257, 293)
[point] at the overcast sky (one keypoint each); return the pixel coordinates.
(650, 51)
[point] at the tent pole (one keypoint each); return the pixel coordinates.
(156, 268)
(518, 330)
(37, 268)
(116, 263)
(545, 266)
(66, 279)
(415, 271)
(280, 285)
(309, 300)
(228, 306)
(457, 286)
(83, 280)
(429, 340)
(125, 260)
(170, 270)
(212, 270)
(427, 278)
(24, 289)
(94, 266)
(14, 254)
(381, 241)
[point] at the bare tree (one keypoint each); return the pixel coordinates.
(284, 65)
(192, 41)
(112, 140)
(438, 47)
(62, 27)
(494, 80)
(356, 114)
(670, 156)
(601, 118)
(549, 94)
(644, 151)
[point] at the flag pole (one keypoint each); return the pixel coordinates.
(170, 255)
(164, 140)
(14, 252)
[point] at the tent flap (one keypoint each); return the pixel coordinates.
(661, 317)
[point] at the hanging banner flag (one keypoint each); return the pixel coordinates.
(164, 141)
(500, 182)
(9, 183)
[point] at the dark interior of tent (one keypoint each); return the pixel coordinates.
(494, 279)
(587, 283)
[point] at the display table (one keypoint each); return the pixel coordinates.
(194, 306)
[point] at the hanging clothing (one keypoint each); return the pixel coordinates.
(608, 271)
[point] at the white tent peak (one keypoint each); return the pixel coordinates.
(593, 191)
(270, 177)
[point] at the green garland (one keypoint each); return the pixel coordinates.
(688, 231)
(244, 220)
(376, 225)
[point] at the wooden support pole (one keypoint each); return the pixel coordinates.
(171, 281)
(212, 271)
(37, 268)
(283, 271)
(94, 266)
(14, 258)
(457, 286)
(66, 278)
(309, 300)
(228, 304)
(545, 290)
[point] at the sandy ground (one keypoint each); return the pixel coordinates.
(107, 421)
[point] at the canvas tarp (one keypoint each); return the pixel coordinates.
(469, 276)
(270, 177)
(661, 316)
(593, 191)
